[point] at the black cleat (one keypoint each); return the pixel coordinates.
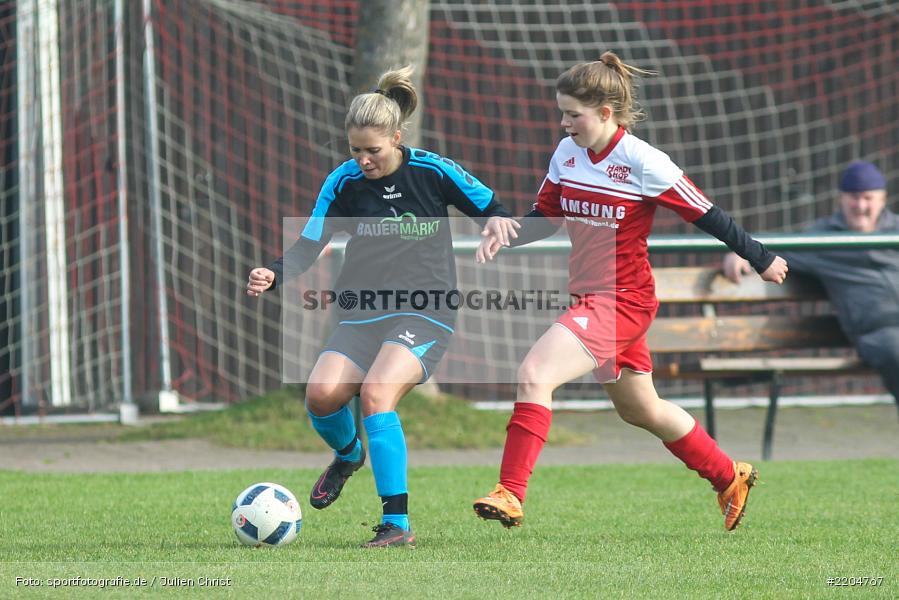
(327, 489)
(388, 535)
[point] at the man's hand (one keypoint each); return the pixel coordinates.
(735, 267)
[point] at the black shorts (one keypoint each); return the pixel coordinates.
(360, 342)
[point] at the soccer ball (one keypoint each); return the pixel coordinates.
(266, 514)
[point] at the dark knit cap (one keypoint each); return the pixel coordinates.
(862, 176)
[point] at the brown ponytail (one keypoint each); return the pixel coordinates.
(605, 81)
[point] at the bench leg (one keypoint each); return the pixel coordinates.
(709, 389)
(768, 440)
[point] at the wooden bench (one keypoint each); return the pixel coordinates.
(709, 335)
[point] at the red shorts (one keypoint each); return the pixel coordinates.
(613, 332)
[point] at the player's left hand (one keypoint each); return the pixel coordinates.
(503, 229)
(776, 272)
(487, 249)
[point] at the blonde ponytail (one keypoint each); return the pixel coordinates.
(388, 107)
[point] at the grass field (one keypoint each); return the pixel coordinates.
(647, 531)
(278, 421)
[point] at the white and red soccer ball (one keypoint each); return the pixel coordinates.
(266, 514)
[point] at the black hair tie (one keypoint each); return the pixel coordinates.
(380, 91)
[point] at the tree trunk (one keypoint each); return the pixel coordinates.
(391, 34)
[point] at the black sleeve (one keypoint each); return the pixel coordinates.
(534, 226)
(491, 208)
(718, 223)
(494, 209)
(464, 191)
(296, 260)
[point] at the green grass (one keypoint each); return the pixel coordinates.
(647, 531)
(278, 421)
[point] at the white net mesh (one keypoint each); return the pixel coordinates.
(761, 103)
(249, 125)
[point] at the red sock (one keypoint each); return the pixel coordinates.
(525, 435)
(702, 454)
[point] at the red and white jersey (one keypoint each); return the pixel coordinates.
(608, 201)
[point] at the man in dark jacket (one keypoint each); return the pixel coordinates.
(863, 285)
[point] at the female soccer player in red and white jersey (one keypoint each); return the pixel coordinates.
(605, 184)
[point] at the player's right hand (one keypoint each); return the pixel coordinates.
(776, 272)
(260, 280)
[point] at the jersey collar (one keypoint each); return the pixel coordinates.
(595, 158)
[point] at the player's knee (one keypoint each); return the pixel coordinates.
(638, 414)
(377, 397)
(890, 353)
(631, 416)
(322, 399)
(532, 377)
(880, 349)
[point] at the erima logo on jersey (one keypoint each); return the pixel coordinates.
(391, 193)
(569, 162)
(582, 321)
(407, 337)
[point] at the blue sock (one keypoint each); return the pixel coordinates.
(387, 448)
(338, 430)
(398, 520)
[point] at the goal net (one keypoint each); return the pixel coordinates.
(122, 265)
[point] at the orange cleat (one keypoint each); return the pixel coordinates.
(500, 505)
(733, 499)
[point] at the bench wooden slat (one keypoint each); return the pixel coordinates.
(808, 364)
(702, 284)
(744, 333)
(738, 368)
